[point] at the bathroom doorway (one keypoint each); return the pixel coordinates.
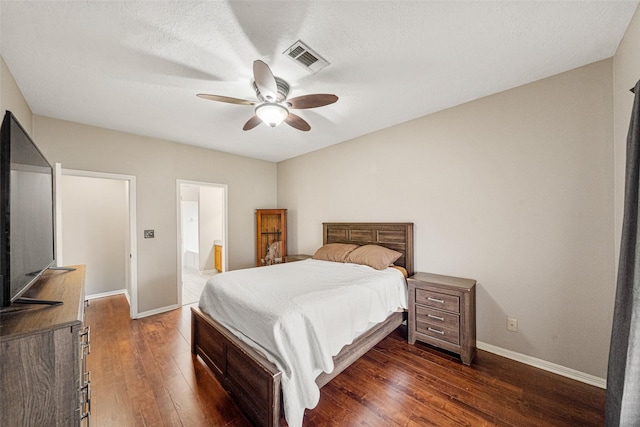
(202, 236)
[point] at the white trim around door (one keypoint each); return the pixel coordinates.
(225, 226)
(133, 248)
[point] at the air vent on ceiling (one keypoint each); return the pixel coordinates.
(306, 57)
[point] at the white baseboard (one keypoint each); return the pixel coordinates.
(106, 294)
(544, 365)
(157, 311)
(126, 294)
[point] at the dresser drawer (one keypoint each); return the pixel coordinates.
(438, 300)
(438, 318)
(437, 331)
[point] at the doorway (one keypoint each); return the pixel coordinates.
(95, 226)
(202, 236)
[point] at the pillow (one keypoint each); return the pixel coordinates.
(374, 256)
(401, 270)
(336, 252)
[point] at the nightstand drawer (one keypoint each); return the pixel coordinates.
(436, 317)
(437, 300)
(437, 331)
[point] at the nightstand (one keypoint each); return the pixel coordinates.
(442, 313)
(294, 258)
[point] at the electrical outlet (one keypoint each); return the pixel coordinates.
(512, 324)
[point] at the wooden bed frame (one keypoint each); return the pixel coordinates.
(251, 379)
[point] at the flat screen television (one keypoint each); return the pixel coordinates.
(26, 212)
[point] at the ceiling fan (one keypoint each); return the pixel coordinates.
(273, 106)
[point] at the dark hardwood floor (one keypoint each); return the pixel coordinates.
(143, 374)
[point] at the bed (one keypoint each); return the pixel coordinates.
(254, 381)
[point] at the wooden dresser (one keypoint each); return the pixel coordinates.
(42, 349)
(442, 312)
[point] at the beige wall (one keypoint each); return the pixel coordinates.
(11, 98)
(157, 165)
(95, 221)
(514, 190)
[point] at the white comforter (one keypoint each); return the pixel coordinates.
(301, 314)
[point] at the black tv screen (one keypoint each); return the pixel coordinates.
(26, 211)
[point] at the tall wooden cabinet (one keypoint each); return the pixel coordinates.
(271, 228)
(43, 348)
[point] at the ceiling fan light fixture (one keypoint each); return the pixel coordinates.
(271, 113)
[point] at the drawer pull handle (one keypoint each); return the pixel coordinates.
(85, 334)
(84, 416)
(85, 341)
(436, 331)
(85, 396)
(86, 349)
(436, 317)
(441, 301)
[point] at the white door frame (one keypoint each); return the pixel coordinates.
(133, 247)
(225, 224)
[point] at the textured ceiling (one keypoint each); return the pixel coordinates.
(137, 66)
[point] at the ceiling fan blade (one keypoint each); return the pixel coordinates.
(251, 123)
(265, 81)
(312, 101)
(227, 99)
(297, 122)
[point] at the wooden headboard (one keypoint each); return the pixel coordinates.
(393, 235)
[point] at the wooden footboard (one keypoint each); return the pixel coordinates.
(251, 379)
